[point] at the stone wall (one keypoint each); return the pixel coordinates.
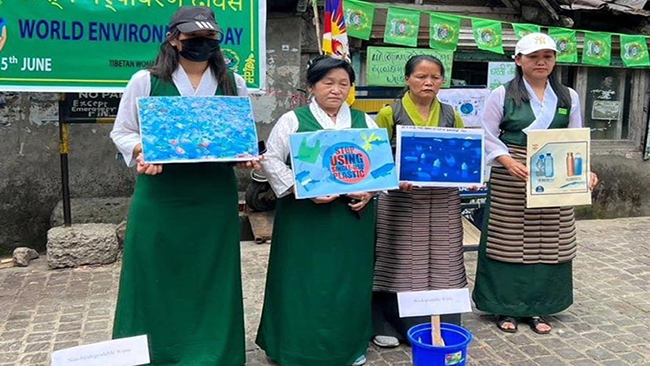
(624, 189)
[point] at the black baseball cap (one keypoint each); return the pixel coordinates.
(194, 18)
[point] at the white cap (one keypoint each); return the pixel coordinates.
(534, 42)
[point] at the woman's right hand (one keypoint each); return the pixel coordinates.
(325, 199)
(144, 168)
(515, 168)
(254, 163)
(405, 186)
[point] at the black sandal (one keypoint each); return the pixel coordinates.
(536, 321)
(501, 319)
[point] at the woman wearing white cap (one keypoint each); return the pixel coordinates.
(524, 266)
(181, 280)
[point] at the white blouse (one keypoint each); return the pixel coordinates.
(126, 130)
(274, 163)
(544, 112)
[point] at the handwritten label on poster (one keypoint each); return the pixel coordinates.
(385, 65)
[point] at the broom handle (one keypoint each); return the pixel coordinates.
(436, 337)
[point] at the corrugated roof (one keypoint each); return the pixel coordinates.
(632, 7)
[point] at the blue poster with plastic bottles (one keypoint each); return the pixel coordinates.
(333, 162)
(440, 157)
(197, 129)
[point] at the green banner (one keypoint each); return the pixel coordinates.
(385, 65)
(488, 35)
(444, 31)
(402, 27)
(359, 17)
(566, 43)
(525, 29)
(76, 45)
(597, 49)
(634, 50)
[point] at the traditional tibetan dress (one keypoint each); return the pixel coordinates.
(181, 277)
(524, 259)
(317, 303)
(419, 232)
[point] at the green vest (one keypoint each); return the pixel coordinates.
(162, 88)
(308, 123)
(515, 119)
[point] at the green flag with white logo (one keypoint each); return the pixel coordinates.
(443, 31)
(634, 50)
(402, 27)
(488, 35)
(597, 49)
(566, 43)
(525, 29)
(358, 18)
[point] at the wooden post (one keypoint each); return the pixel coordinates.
(314, 4)
(436, 336)
(64, 139)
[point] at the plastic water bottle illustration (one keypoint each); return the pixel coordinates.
(463, 170)
(541, 166)
(578, 164)
(549, 171)
(436, 167)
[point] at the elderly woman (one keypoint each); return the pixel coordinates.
(419, 230)
(179, 210)
(317, 304)
(524, 264)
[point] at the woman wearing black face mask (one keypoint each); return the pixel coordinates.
(181, 280)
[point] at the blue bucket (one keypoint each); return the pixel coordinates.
(454, 352)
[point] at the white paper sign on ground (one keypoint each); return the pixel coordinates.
(439, 302)
(119, 352)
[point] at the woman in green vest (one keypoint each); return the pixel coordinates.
(317, 303)
(181, 278)
(524, 264)
(419, 229)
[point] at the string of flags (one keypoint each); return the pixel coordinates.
(402, 27)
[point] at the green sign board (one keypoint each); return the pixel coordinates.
(385, 65)
(96, 45)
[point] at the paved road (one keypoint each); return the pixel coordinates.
(609, 324)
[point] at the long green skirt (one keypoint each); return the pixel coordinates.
(317, 305)
(520, 290)
(181, 277)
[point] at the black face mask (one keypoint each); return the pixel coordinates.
(199, 49)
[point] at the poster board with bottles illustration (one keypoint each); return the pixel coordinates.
(558, 165)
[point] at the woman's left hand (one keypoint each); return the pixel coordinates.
(251, 164)
(593, 181)
(362, 200)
